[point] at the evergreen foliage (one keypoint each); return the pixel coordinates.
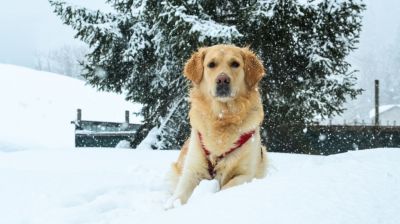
(142, 47)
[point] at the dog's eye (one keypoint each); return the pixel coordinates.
(211, 64)
(235, 64)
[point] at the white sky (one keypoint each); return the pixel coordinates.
(29, 26)
(381, 24)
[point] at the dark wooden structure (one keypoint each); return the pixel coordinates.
(102, 134)
(376, 102)
(331, 139)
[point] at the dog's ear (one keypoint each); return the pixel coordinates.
(194, 66)
(253, 68)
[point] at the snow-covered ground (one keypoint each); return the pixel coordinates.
(127, 186)
(45, 180)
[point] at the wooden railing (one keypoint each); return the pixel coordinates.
(102, 134)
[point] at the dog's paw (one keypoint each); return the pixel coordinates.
(172, 202)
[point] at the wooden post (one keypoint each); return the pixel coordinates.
(377, 102)
(78, 114)
(127, 116)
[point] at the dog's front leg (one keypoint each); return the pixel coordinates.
(194, 170)
(185, 187)
(187, 182)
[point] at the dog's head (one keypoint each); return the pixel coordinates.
(224, 71)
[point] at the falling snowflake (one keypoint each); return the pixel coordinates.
(322, 137)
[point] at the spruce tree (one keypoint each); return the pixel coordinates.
(142, 47)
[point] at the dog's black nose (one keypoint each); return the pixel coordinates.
(223, 87)
(223, 79)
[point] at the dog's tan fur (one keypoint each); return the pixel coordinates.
(221, 121)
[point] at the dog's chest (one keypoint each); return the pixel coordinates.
(220, 159)
(218, 142)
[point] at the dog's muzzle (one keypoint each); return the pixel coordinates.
(223, 85)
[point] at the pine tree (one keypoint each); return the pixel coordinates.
(143, 45)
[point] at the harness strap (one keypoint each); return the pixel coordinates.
(239, 143)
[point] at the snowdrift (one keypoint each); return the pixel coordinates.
(37, 108)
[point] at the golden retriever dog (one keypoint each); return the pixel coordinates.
(225, 116)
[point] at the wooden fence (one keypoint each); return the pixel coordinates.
(331, 139)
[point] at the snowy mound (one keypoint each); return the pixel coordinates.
(127, 186)
(37, 108)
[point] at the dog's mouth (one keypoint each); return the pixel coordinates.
(224, 95)
(223, 91)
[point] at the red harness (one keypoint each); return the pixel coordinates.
(211, 168)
